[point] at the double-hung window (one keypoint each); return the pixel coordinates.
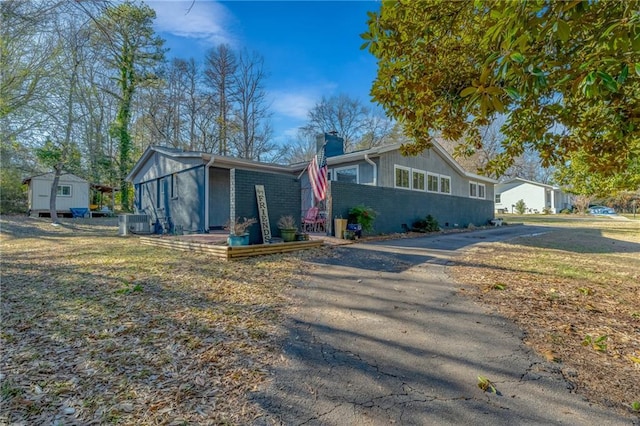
(481, 191)
(433, 182)
(402, 177)
(473, 190)
(418, 183)
(445, 184)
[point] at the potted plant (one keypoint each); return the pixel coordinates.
(288, 228)
(363, 216)
(238, 235)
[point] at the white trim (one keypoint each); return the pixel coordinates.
(424, 179)
(473, 189)
(337, 170)
(60, 192)
(437, 177)
(395, 180)
(448, 179)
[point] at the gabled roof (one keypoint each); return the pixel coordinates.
(49, 175)
(377, 151)
(521, 180)
(206, 158)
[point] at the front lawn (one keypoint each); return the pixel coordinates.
(98, 328)
(576, 293)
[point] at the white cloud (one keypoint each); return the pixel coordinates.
(293, 104)
(205, 21)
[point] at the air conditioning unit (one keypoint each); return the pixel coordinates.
(134, 224)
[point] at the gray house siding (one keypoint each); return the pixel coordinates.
(179, 203)
(397, 207)
(282, 193)
(160, 165)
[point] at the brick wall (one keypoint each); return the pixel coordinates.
(282, 193)
(396, 207)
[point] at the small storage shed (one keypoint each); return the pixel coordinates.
(73, 193)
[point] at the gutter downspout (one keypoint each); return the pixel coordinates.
(375, 169)
(206, 193)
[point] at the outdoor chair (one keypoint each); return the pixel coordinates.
(312, 221)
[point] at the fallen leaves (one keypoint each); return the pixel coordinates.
(577, 296)
(98, 329)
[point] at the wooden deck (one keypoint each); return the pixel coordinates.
(215, 246)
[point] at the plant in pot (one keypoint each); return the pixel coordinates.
(363, 216)
(238, 235)
(288, 228)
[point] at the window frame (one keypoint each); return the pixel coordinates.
(424, 179)
(336, 171)
(395, 176)
(482, 191)
(497, 198)
(60, 190)
(473, 189)
(448, 180)
(437, 182)
(174, 186)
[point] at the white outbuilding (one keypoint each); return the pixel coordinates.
(72, 196)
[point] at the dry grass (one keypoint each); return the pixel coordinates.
(576, 293)
(99, 329)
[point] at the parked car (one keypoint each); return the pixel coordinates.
(601, 210)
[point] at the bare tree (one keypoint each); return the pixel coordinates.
(219, 70)
(251, 110)
(342, 114)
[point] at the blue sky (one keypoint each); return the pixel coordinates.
(311, 48)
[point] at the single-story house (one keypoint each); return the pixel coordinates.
(537, 196)
(197, 191)
(72, 193)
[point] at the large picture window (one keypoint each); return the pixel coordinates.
(346, 174)
(402, 177)
(64, 191)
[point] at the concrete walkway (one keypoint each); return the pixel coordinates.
(381, 337)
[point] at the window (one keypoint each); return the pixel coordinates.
(445, 184)
(432, 182)
(138, 199)
(161, 193)
(402, 177)
(346, 174)
(418, 180)
(473, 190)
(174, 185)
(481, 190)
(64, 191)
(498, 199)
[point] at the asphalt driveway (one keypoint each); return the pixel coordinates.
(380, 336)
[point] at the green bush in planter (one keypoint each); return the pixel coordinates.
(363, 215)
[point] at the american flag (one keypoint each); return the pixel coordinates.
(318, 176)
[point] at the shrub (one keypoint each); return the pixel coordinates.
(521, 207)
(363, 215)
(428, 224)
